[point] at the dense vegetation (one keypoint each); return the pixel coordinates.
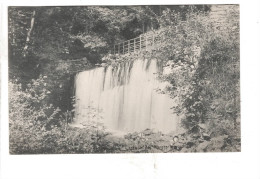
(202, 61)
(205, 75)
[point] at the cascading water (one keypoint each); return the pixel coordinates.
(125, 96)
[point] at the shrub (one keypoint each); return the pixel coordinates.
(30, 117)
(204, 63)
(35, 127)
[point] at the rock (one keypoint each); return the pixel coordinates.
(184, 150)
(202, 146)
(155, 150)
(238, 147)
(103, 64)
(217, 143)
(176, 139)
(206, 136)
(147, 132)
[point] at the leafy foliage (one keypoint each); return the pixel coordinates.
(203, 65)
(200, 61)
(39, 128)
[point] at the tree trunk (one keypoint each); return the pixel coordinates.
(29, 33)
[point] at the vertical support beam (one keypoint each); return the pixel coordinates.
(134, 45)
(123, 48)
(140, 42)
(146, 43)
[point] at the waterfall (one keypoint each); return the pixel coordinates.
(126, 97)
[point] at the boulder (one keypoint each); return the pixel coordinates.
(103, 64)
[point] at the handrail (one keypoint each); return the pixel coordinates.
(143, 42)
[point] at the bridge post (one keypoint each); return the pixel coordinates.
(123, 48)
(128, 46)
(134, 45)
(140, 42)
(145, 43)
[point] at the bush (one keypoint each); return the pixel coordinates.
(30, 117)
(204, 70)
(38, 128)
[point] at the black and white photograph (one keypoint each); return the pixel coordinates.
(129, 89)
(124, 79)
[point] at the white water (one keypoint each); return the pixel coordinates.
(125, 96)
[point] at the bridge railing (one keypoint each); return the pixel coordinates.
(143, 42)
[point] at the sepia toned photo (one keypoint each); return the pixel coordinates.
(124, 79)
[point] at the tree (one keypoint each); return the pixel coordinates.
(29, 33)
